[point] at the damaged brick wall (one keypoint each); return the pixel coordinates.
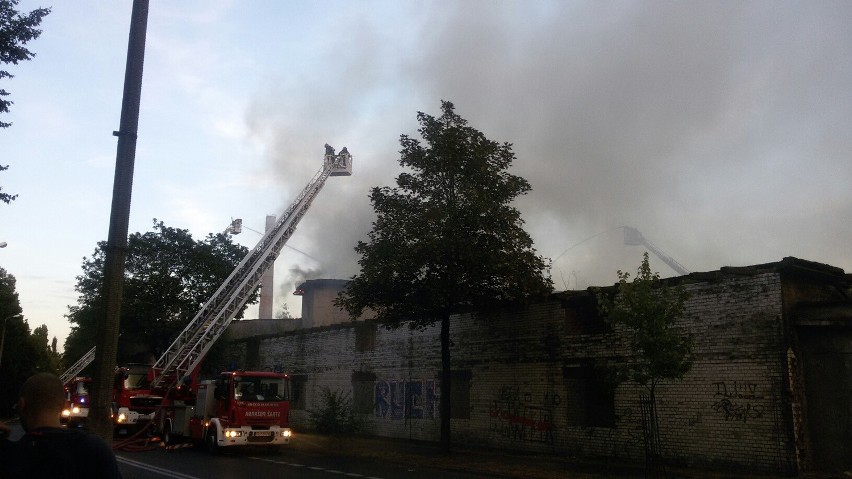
(536, 380)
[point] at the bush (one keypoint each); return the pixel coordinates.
(335, 415)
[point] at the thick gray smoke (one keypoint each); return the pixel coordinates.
(719, 129)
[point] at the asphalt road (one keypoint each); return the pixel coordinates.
(194, 463)
(197, 463)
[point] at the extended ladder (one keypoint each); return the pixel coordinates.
(216, 314)
(81, 363)
(213, 319)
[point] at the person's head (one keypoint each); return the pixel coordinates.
(40, 401)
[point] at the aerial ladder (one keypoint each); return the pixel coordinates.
(633, 237)
(193, 343)
(75, 369)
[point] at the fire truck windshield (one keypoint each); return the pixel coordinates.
(254, 388)
(82, 388)
(136, 380)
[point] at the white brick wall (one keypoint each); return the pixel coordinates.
(727, 411)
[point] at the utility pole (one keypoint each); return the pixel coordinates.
(100, 422)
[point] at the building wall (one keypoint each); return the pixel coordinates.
(827, 360)
(247, 328)
(318, 302)
(536, 380)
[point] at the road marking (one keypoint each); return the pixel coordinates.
(313, 468)
(155, 469)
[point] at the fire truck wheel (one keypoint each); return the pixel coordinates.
(212, 445)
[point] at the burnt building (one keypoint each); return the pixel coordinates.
(769, 391)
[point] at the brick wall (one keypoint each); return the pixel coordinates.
(535, 380)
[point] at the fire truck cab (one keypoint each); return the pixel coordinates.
(134, 404)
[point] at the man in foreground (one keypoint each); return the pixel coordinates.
(48, 450)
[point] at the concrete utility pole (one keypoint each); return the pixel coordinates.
(100, 422)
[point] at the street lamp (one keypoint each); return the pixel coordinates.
(3, 338)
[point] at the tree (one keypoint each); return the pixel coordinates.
(648, 308)
(23, 353)
(5, 197)
(16, 30)
(334, 414)
(284, 313)
(446, 239)
(168, 277)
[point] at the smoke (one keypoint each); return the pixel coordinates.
(718, 129)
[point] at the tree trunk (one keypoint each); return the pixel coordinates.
(445, 383)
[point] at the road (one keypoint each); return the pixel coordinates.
(194, 463)
(316, 456)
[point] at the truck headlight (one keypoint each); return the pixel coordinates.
(122, 417)
(286, 433)
(232, 433)
(75, 410)
(66, 413)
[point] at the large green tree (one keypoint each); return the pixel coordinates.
(446, 239)
(16, 30)
(168, 277)
(24, 353)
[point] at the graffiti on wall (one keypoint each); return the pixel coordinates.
(406, 399)
(738, 401)
(521, 417)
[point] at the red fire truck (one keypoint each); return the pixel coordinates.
(239, 408)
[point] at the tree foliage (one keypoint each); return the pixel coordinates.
(446, 239)
(24, 352)
(335, 415)
(6, 197)
(648, 308)
(168, 277)
(16, 30)
(284, 312)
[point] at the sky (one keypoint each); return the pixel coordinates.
(721, 130)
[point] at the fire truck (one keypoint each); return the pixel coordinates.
(239, 408)
(76, 401)
(221, 412)
(135, 404)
